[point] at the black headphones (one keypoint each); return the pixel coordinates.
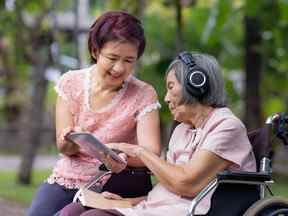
(196, 80)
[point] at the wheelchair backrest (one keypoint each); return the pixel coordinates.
(260, 141)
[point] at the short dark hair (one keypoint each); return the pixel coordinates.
(115, 26)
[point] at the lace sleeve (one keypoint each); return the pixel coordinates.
(147, 109)
(60, 92)
(62, 86)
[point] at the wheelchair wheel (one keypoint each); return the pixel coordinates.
(272, 206)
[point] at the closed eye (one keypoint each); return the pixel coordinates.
(111, 58)
(130, 61)
(170, 85)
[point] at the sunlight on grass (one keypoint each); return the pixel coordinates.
(10, 190)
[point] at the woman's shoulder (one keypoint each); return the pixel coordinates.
(72, 83)
(75, 75)
(138, 84)
(141, 89)
(181, 129)
(224, 117)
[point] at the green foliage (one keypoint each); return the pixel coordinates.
(283, 7)
(213, 27)
(162, 42)
(219, 14)
(154, 74)
(273, 105)
(252, 8)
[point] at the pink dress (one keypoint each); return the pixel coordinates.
(224, 135)
(116, 122)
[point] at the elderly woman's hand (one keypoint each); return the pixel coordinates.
(129, 149)
(109, 195)
(113, 165)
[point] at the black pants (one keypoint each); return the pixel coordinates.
(129, 184)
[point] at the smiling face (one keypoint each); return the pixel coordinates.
(116, 61)
(174, 97)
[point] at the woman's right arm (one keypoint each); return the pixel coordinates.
(64, 124)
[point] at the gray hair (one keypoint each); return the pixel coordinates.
(216, 95)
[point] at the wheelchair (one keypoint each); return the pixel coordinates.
(243, 193)
(237, 193)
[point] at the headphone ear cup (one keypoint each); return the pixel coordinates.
(196, 80)
(196, 83)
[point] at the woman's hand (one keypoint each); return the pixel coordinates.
(129, 149)
(114, 166)
(113, 196)
(65, 146)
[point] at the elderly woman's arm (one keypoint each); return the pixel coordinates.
(185, 180)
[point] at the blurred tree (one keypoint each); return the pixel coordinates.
(80, 37)
(274, 90)
(11, 108)
(249, 38)
(179, 25)
(253, 65)
(37, 54)
(136, 8)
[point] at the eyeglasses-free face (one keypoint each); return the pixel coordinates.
(116, 61)
(173, 97)
(113, 59)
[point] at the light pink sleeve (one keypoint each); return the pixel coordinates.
(68, 89)
(229, 140)
(64, 86)
(149, 101)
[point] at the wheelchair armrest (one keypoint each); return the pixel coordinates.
(252, 177)
(249, 178)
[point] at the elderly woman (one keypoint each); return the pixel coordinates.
(209, 139)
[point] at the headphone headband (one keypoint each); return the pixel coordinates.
(196, 80)
(187, 58)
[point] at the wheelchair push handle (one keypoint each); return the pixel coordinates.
(265, 165)
(279, 125)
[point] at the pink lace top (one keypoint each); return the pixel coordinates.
(115, 122)
(224, 135)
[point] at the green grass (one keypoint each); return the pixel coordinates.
(279, 188)
(10, 190)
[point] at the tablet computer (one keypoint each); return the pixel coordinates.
(91, 144)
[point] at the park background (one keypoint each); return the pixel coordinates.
(42, 39)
